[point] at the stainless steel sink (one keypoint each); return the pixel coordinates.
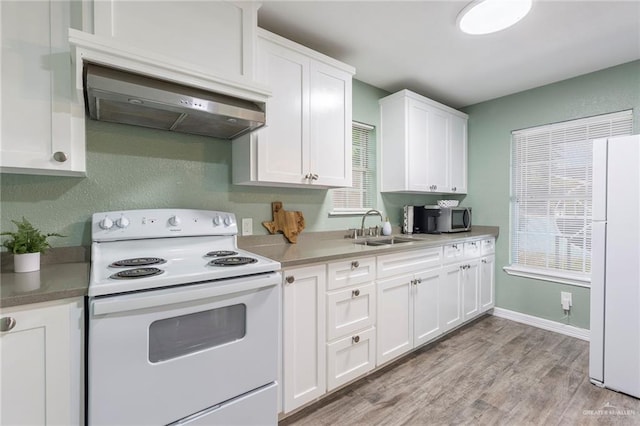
(385, 241)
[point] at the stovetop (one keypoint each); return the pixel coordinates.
(194, 248)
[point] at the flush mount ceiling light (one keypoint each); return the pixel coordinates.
(489, 16)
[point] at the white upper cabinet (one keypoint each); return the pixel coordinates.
(424, 145)
(307, 140)
(41, 129)
(217, 36)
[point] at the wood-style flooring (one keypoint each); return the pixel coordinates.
(494, 371)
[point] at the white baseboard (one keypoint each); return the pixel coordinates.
(542, 323)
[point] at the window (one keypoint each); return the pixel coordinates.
(361, 196)
(551, 180)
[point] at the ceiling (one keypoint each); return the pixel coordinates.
(415, 45)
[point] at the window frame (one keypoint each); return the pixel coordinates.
(353, 211)
(620, 124)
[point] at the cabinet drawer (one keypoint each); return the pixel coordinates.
(453, 252)
(351, 272)
(472, 249)
(350, 309)
(350, 357)
(488, 246)
(408, 262)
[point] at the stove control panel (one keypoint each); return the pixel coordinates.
(161, 223)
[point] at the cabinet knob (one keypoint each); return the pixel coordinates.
(484, 260)
(7, 323)
(355, 293)
(290, 279)
(314, 176)
(454, 189)
(419, 280)
(355, 339)
(355, 264)
(60, 156)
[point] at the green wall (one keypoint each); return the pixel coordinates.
(490, 126)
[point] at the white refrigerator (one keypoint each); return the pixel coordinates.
(614, 357)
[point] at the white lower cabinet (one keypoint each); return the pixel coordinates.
(470, 289)
(41, 353)
(450, 297)
(426, 306)
(487, 282)
(406, 314)
(395, 318)
(303, 336)
(350, 357)
(351, 319)
(343, 319)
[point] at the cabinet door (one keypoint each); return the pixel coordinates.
(395, 318)
(41, 129)
(426, 302)
(350, 309)
(216, 36)
(458, 155)
(303, 335)
(470, 290)
(330, 125)
(350, 357)
(487, 283)
(450, 297)
(437, 161)
(283, 146)
(418, 174)
(41, 372)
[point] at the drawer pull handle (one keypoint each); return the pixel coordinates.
(290, 279)
(355, 293)
(7, 323)
(355, 339)
(355, 264)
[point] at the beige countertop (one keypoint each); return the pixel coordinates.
(51, 282)
(316, 247)
(67, 280)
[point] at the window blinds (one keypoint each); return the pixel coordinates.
(361, 196)
(551, 188)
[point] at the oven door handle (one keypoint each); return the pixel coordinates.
(185, 294)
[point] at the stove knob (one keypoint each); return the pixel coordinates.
(174, 221)
(217, 220)
(106, 223)
(228, 221)
(123, 222)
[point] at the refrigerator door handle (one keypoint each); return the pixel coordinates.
(596, 334)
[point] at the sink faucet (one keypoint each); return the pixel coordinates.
(364, 216)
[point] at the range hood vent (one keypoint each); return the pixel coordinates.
(124, 97)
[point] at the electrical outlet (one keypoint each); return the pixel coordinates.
(565, 300)
(247, 226)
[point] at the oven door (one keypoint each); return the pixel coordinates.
(159, 356)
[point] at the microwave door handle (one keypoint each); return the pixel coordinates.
(467, 218)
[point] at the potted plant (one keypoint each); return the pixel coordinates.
(26, 244)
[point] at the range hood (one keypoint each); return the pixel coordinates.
(124, 97)
(124, 84)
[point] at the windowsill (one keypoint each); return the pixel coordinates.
(338, 213)
(548, 275)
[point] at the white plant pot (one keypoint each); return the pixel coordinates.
(27, 262)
